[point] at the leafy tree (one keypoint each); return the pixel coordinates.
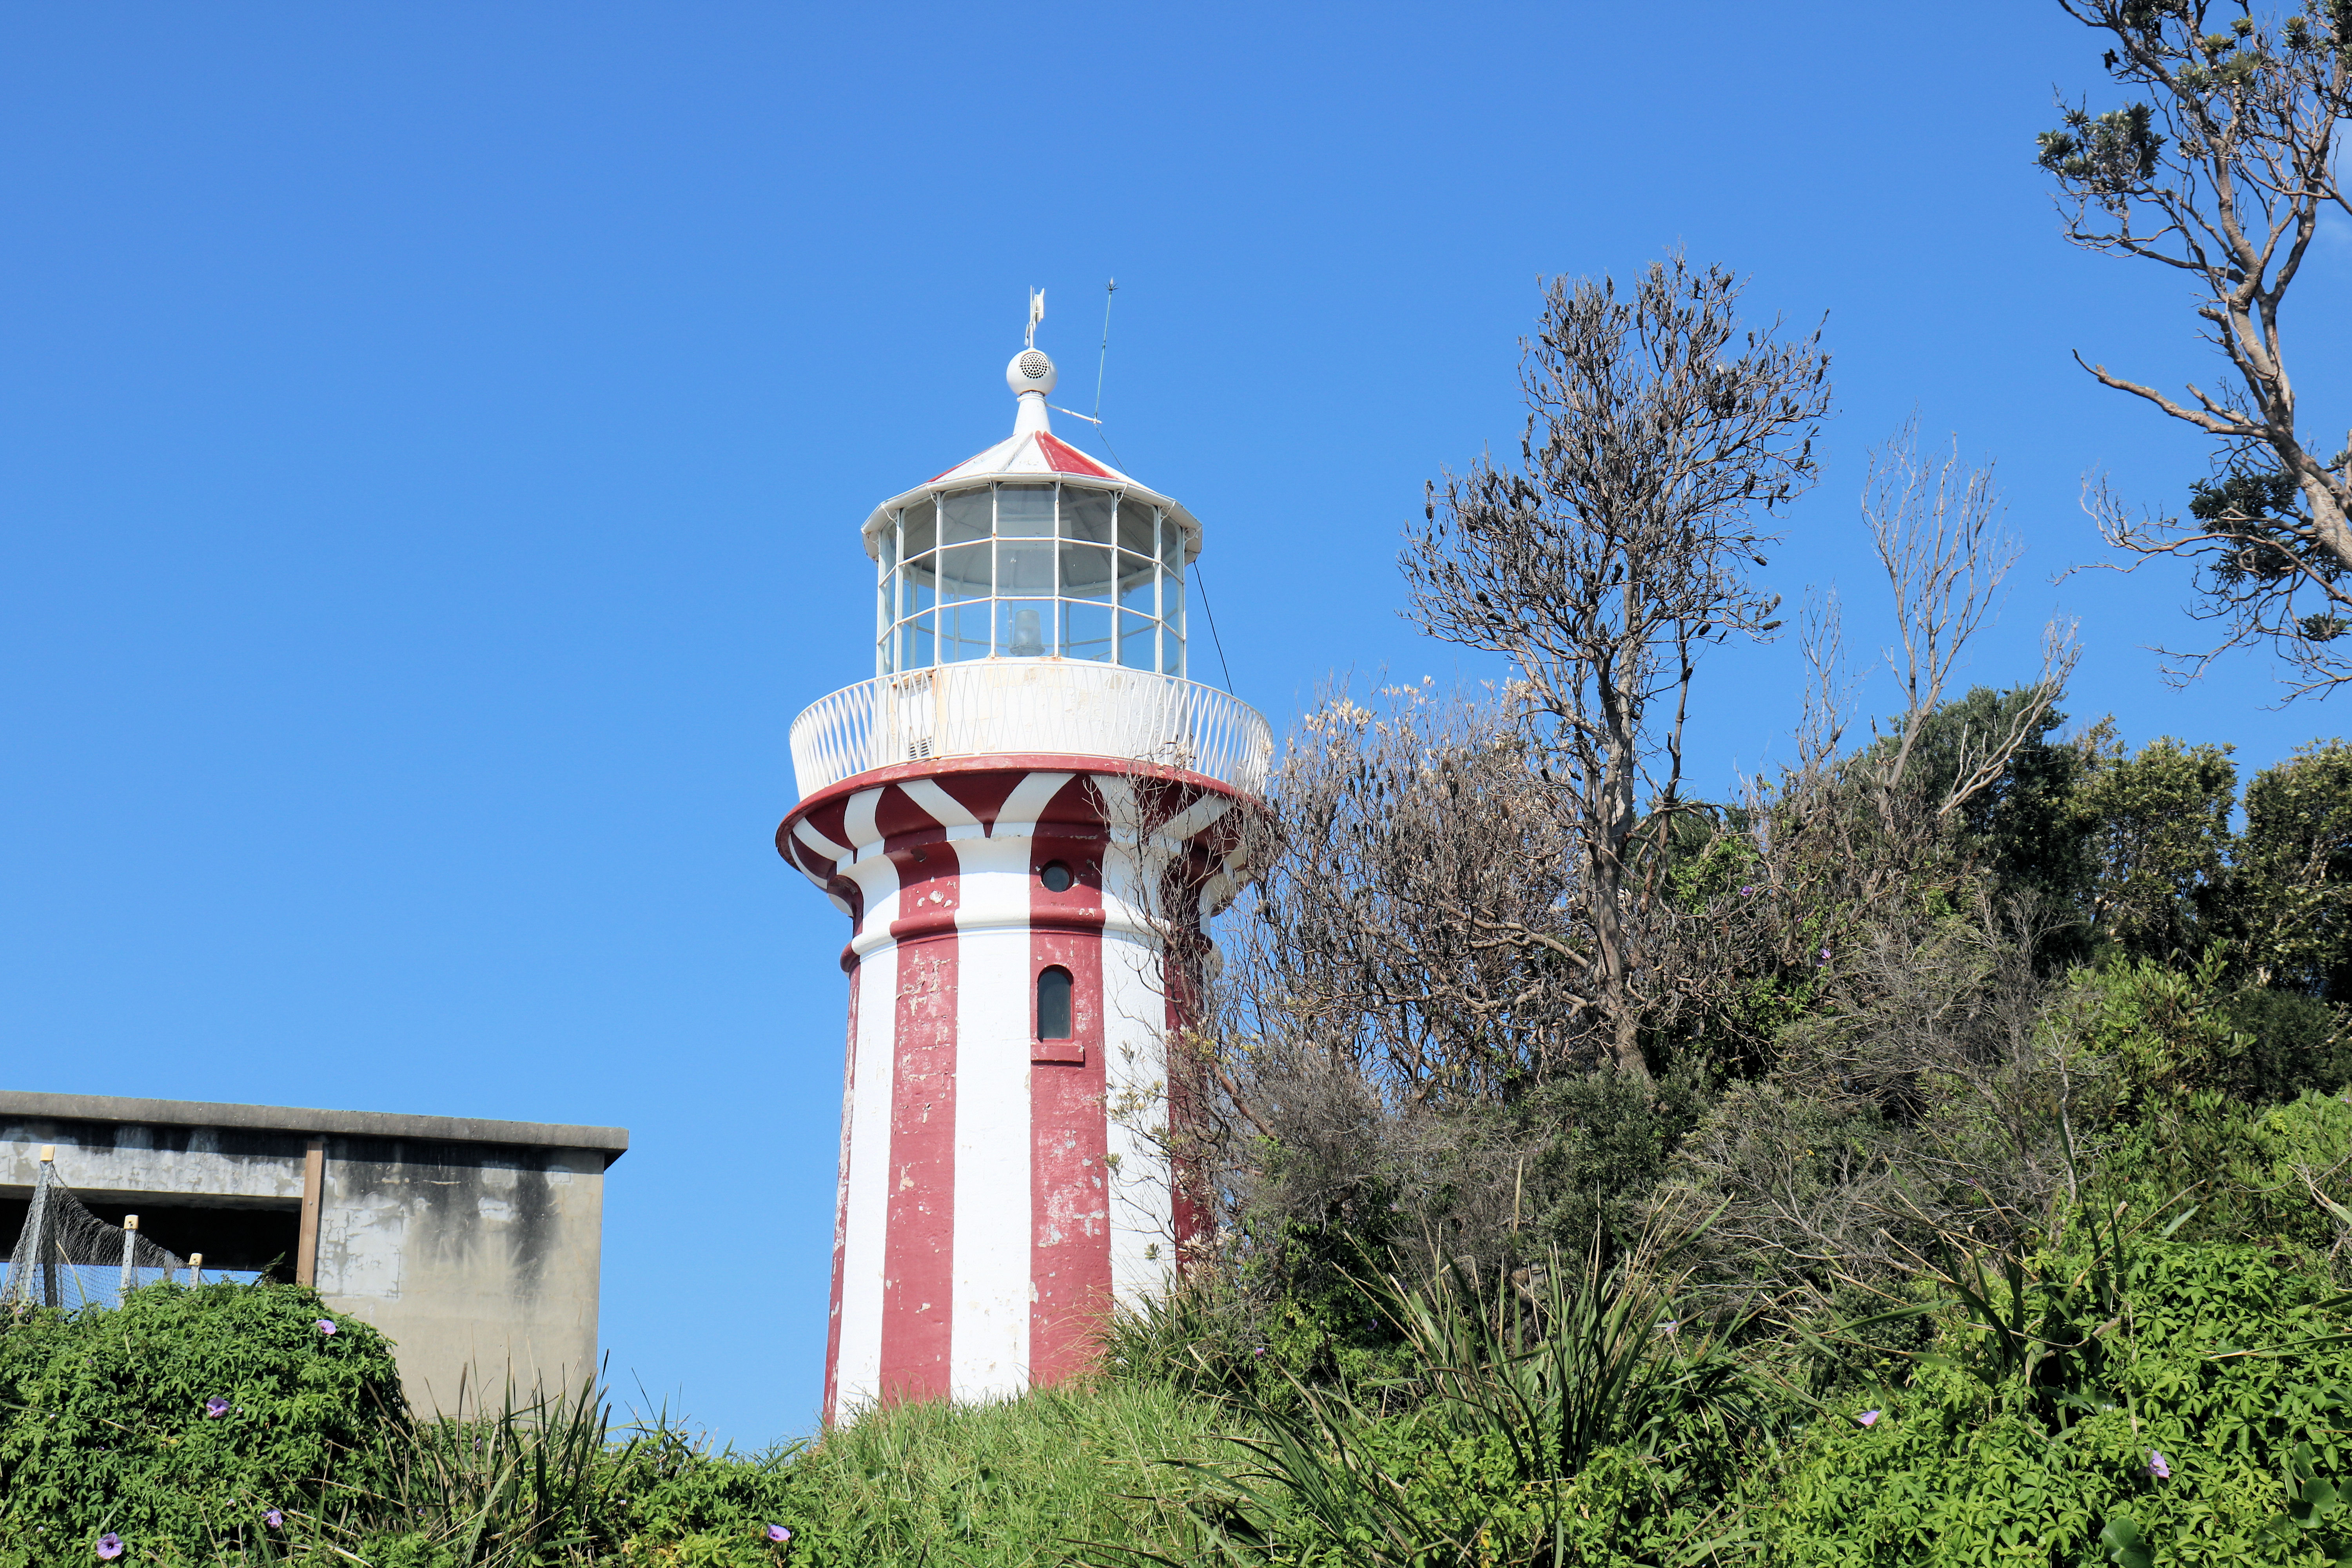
(2218, 168)
(2159, 829)
(2295, 873)
(2299, 1043)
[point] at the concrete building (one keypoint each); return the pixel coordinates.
(473, 1244)
(1022, 815)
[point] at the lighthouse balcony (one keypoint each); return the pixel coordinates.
(1028, 708)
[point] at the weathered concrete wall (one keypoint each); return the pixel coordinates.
(481, 1263)
(474, 1245)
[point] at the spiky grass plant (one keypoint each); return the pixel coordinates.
(1568, 1413)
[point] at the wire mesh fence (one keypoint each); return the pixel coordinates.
(68, 1257)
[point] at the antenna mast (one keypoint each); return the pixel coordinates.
(1110, 289)
(1036, 314)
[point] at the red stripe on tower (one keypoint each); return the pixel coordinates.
(1070, 1280)
(918, 1266)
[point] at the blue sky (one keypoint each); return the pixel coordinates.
(433, 439)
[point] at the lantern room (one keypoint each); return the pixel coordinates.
(1030, 551)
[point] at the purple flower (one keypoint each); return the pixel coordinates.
(1745, 891)
(216, 1407)
(1868, 1418)
(2156, 1467)
(326, 1325)
(1669, 1327)
(778, 1534)
(1825, 955)
(274, 1520)
(1259, 1351)
(110, 1546)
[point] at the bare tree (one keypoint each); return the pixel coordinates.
(1831, 856)
(1409, 920)
(2220, 174)
(1658, 435)
(1938, 534)
(1395, 967)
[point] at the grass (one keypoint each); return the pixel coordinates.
(1028, 1481)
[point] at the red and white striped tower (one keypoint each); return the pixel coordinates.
(1020, 814)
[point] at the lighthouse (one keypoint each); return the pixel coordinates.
(1027, 814)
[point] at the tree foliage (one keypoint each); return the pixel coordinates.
(2219, 168)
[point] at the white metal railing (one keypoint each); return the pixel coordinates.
(1020, 705)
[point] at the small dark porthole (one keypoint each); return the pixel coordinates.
(1056, 877)
(1054, 1004)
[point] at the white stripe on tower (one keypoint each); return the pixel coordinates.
(1135, 1007)
(859, 1378)
(989, 1351)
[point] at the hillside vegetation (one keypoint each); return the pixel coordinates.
(1936, 1151)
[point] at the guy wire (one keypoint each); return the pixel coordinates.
(1214, 637)
(1101, 362)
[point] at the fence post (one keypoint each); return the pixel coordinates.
(195, 1269)
(45, 1233)
(314, 1190)
(130, 1256)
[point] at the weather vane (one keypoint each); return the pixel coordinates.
(1036, 314)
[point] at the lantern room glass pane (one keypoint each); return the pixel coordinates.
(1087, 515)
(1135, 528)
(1085, 632)
(1024, 629)
(964, 517)
(963, 572)
(886, 544)
(1171, 546)
(1136, 578)
(1086, 571)
(919, 586)
(1171, 627)
(1138, 641)
(918, 528)
(964, 633)
(1025, 567)
(915, 646)
(1025, 512)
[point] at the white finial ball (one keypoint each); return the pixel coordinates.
(1031, 370)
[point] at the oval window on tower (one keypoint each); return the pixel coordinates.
(1054, 1003)
(1056, 877)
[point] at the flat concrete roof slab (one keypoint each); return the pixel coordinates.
(610, 1141)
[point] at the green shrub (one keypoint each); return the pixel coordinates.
(2028, 1437)
(2169, 1030)
(2243, 1169)
(105, 1424)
